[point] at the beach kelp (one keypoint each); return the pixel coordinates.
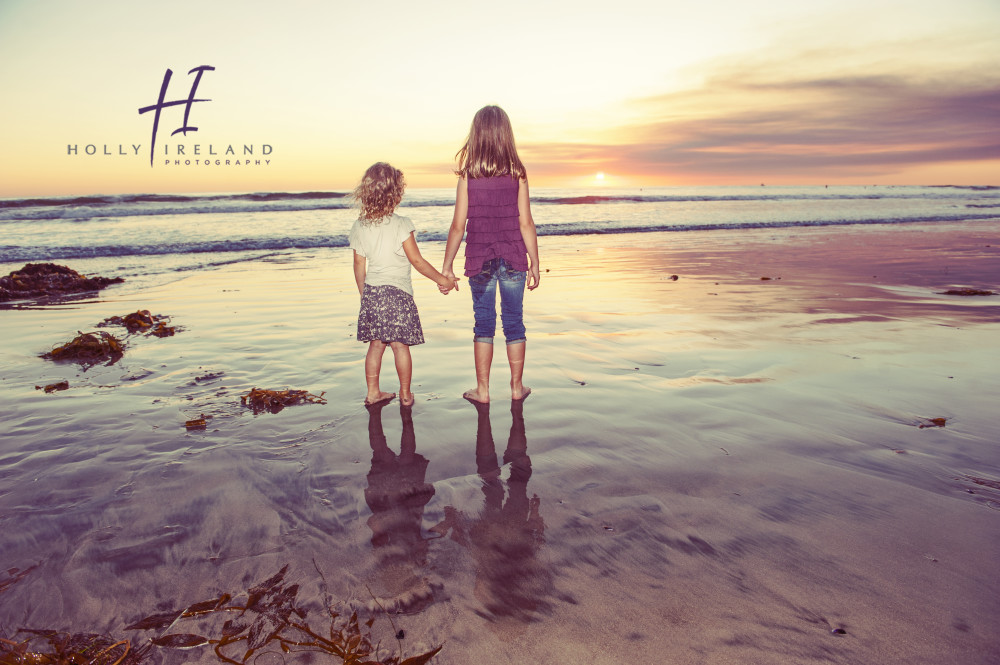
(267, 621)
(89, 349)
(142, 322)
(985, 482)
(14, 575)
(273, 401)
(97, 347)
(967, 292)
(37, 280)
(50, 647)
(54, 387)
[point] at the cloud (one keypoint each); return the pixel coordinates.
(744, 124)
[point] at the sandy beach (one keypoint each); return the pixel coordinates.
(739, 465)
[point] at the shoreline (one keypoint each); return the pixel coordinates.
(726, 468)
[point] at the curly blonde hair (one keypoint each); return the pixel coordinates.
(489, 149)
(379, 192)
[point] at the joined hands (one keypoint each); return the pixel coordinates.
(445, 289)
(452, 282)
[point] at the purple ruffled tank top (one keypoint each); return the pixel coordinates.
(494, 227)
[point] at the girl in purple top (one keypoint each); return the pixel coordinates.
(501, 248)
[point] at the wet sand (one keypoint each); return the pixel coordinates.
(714, 469)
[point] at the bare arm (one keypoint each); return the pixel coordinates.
(445, 284)
(528, 233)
(360, 270)
(457, 230)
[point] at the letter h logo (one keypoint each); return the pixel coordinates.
(161, 104)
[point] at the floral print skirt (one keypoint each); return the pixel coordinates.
(389, 314)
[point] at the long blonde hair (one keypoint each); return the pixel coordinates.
(489, 149)
(379, 192)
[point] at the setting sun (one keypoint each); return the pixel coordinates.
(599, 177)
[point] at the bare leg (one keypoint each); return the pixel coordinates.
(483, 353)
(515, 356)
(404, 369)
(373, 365)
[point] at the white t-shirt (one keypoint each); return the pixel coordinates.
(382, 244)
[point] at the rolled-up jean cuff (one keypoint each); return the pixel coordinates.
(516, 341)
(484, 340)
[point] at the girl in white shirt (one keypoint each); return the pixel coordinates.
(384, 249)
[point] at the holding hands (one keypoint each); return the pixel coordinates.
(451, 282)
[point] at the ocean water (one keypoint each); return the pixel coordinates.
(722, 465)
(143, 237)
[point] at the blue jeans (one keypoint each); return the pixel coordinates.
(484, 298)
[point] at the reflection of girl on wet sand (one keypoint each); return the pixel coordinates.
(504, 539)
(397, 494)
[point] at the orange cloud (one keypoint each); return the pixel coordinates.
(741, 127)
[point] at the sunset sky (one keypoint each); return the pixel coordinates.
(648, 93)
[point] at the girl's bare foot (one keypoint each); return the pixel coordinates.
(475, 396)
(406, 398)
(519, 393)
(375, 398)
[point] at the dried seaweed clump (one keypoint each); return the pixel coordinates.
(54, 387)
(967, 292)
(261, 399)
(143, 322)
(985, 482)
(35, 280)
(89, 349)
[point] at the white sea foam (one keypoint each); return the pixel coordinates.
(190, 227)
